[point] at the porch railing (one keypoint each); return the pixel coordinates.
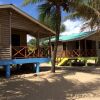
(77, 53)
(25, 52)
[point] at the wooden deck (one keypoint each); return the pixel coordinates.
(25, 55)
(25, 52)
(77, 53)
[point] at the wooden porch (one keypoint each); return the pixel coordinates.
(77, 53)
(25, 52)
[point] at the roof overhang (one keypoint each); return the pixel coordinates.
(51, 32)
(76, 38)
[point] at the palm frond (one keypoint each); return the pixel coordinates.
(62, 28)
(73, 16)
(47, 15)
(89, 12)
(26, 2)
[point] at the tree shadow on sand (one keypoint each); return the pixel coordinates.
(51, 87)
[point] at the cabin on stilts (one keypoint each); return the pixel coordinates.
(14, 27)
(83, 44)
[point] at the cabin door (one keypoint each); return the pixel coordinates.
(91, 44)
(15, 40)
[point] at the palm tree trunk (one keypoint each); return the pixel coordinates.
(58, 23)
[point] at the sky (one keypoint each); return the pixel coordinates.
(71, 26)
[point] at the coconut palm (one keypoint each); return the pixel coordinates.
(62, 28)
(51, 9)
(89, 12)
(49, 23)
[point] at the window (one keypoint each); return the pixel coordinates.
(52, 47)
(15, 40)
(77, 45)
(64, 46)
(99, 45)
(89, 44)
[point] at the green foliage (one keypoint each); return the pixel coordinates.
(62, 28)
(32, 45)
(47, 10)
(32, 42)
(26, 2)
(89, 11)
(43, 42)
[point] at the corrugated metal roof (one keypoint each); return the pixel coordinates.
(74, 36)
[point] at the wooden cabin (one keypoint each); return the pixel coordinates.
(83, 44)
(14, 27)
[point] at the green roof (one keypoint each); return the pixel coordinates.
(74, 36)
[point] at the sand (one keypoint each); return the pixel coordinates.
(63, 85)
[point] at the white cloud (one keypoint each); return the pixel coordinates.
(72, 27)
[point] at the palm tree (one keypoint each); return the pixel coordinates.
(51, 9)
(89, 12)
(49, 23)
(62, 28)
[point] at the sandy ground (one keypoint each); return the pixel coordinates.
(63, 85)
